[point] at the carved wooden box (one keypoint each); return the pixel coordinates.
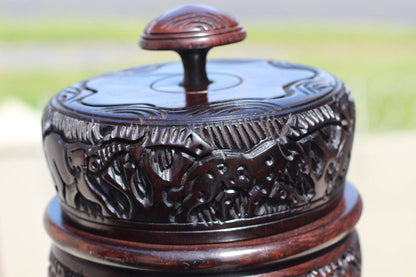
(225, 167)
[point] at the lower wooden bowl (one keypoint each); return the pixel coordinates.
(324, 247)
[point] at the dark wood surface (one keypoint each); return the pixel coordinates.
(227, 164)
(202, 167)
(191, 27)
(233, 256)
(191, 31)
(282, 250)
(341, 259)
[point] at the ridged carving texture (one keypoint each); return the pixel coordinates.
(57, 269)
(233, 168)
(347, 264)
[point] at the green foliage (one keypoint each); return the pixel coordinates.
(66, 30)
(36, 87)
(378, 64)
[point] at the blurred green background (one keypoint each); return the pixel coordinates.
(378, 62)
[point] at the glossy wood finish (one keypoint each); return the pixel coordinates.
(340, 259)
(235, 165)
(191, 27)
(222, 167)
(234, 256)
(153, 95)
(191, 31)
(308, 241)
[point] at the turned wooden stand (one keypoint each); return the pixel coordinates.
(327, 247)
(220, 168)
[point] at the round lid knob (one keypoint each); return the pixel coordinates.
(191, 31)
(191, 27)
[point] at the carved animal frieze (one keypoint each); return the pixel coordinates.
(208, 172)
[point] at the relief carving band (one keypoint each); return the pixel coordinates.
(197, 167)
(273, 163)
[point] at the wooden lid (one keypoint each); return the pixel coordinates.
(188, 149)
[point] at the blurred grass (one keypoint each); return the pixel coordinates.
(68, 30)
(377, 63)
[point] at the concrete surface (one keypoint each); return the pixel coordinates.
(382, 168)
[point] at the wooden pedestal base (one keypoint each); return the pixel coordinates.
(341, 259)
(326, 247)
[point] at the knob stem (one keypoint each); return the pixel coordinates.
(191, 31)
(194, 65)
